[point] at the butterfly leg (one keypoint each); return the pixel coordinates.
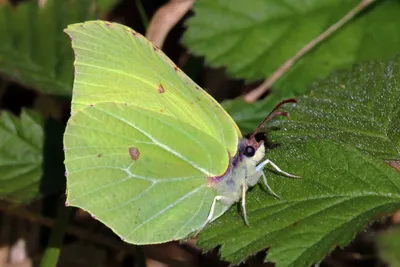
(267, 185)
(260, 172)
(227, 200)
(244, 189)
(261, 166)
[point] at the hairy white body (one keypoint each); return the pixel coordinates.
(244, 172)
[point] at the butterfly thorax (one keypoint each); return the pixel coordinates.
(242, 170)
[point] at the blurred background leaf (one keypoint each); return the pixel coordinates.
(34, 50)
(253, 38)
(21, 156)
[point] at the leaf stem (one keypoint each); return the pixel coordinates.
(260, 90)
(165, 18)
(52, 253)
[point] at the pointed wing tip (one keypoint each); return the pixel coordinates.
(72, 30)
(85, 24)
(90, 23)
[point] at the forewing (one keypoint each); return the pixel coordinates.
(116, 64)
(156, 194)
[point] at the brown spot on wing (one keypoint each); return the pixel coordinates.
(134, 152)
(161, 89)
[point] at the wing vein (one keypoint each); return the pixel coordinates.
(194, 215)
(166, 209)
(161, 145)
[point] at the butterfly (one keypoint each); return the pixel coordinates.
(147, 151)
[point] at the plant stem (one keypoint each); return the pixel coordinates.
(52, 253)
(260, 90)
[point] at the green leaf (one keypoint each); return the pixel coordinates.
(34, 50)
(253, 38)
(358, 107)
(337, 140)
(21, 150)
(389, 246)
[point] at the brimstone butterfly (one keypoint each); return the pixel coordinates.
(147, 151)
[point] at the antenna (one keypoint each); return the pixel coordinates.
(273, 114)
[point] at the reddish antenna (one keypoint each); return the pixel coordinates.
(273, 114)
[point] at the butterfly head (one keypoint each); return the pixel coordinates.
(251, 149)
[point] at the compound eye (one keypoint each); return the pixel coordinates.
(249, 151)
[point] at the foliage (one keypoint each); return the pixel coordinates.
(34, 50)
(21, 156)
(253, 38)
